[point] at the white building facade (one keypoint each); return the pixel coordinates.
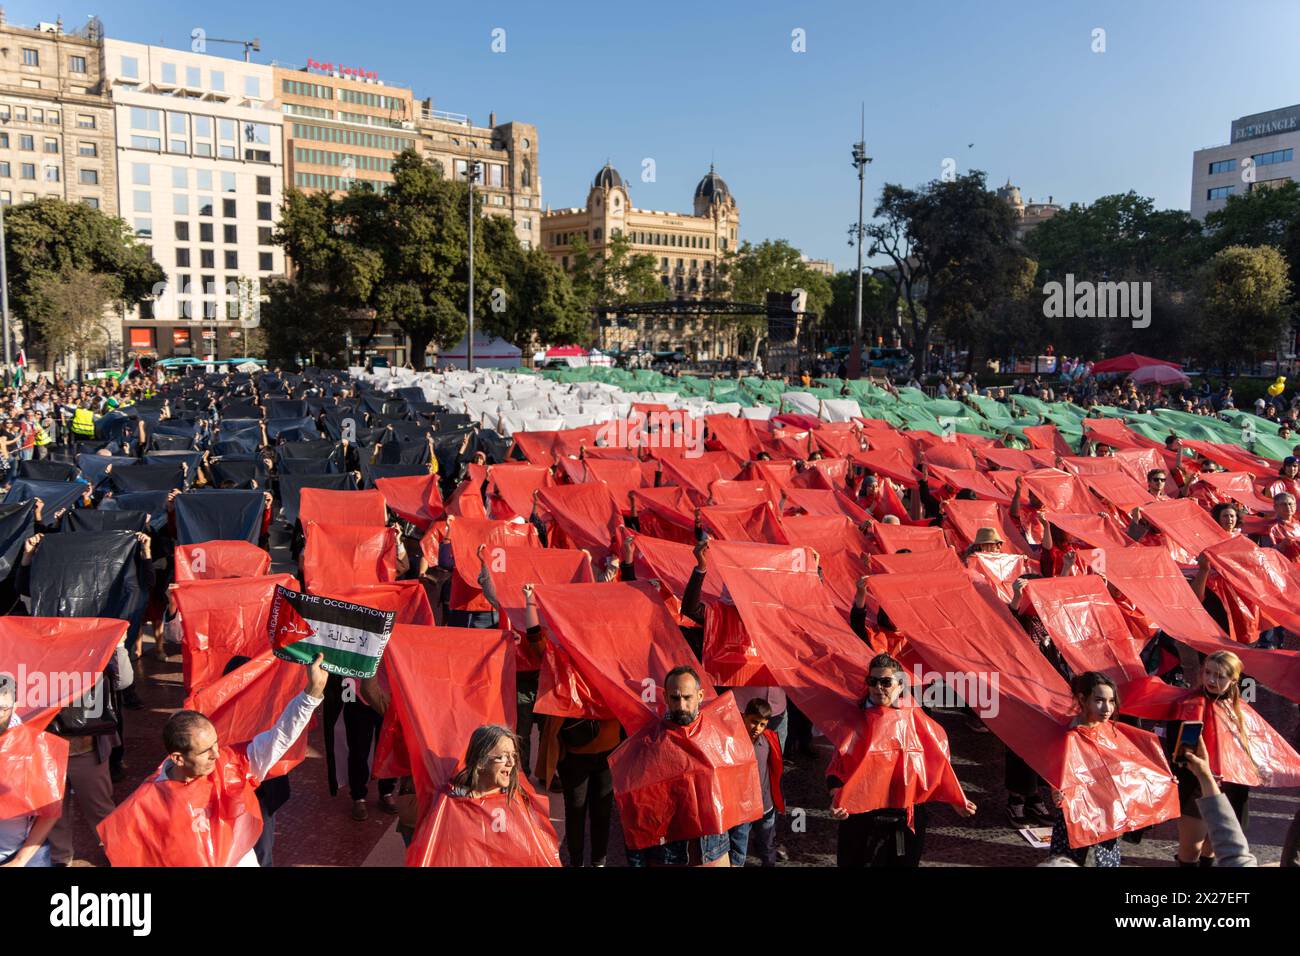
(200, 173)
(1264, 151)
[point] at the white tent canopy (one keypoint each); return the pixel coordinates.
(489, 352)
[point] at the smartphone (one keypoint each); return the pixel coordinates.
(1189, 737)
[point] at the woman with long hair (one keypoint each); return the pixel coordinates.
(1097, 698)
(491, 764)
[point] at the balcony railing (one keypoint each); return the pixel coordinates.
(458, 118)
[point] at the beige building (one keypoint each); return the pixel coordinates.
(687, 248)
(56, 120)
(338, 129)
(1261, 154)
(1030, 214)
(823, 266)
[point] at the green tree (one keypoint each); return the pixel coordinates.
(1245, 300)
(615, 277)
(301, 321)
(771, 266)
(50, 238)
(878, 308)
(538, 305)
(71, 311)
(952, 251)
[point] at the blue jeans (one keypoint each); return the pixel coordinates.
(763, 833)
(712, 848)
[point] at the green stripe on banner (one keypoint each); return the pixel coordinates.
(343, 663)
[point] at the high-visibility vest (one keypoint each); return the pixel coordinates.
(43, 437)
(83, 423)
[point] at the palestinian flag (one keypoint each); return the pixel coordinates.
(20, 368)
(133, 367)
(351, 637)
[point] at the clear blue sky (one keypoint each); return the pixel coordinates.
(686, 82)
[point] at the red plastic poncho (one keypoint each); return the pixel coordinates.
(33, 767)
(250, 699)
(512, 568)
(1000, 571)
(414, 498)
(1261, 577)
(898, 757)
(347, 555)
(946, 482)
(223, 619)
(1046, 436)
(211, 821)
(342, 507)
(621, 639)
(1118, 781)
(511, 488)
(1186, 527)
(220, 559)
(1120, 493)
(586, 517)
(839, 545)
(36, 651)
(965, 518)
(1061, 491)
(666, 513)
(1255, 755)
(916, 562)
(1093, 530)
(831, 501)
(694, 475)
(891, 538)
(742, 493)
(1086, 625)
(466, 536)
(618, 475)
(680, 783)
(486, 831)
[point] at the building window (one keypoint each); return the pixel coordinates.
(180, 177)
(1276, 156)
(205, 232)
(76, 64)
(27, 171)
(51, 174)
(140, 174)
(141, 198)
(51, 145)
(192, 77)
(526, 177)
(1219, 192)
(180, 204)
(130, 68)
(227, 182)
(26, 142)
(252, 87)
(1223, 166)
(264, 211)
(232, 260)
(4, 140)
(4, 170)
(91, 202)
(182, 257)
(229, 234)
(85, 121)
(207, 258)
(169, 73)
(264, 236)
(264, 185)
(20, 114)
(31, 57)
(265, 261)
(205, 205)
(228, 207)
(183, 231)
(219, 81)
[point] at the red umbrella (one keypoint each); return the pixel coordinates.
(560, 351)
(1159, 375)
(1129, 363)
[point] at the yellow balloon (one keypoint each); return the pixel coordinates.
(1276, 390)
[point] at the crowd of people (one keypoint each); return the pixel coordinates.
(110, 489)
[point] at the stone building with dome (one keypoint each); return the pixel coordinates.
(687, 248)
(1030, 214)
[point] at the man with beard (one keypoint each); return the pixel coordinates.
(684, 694)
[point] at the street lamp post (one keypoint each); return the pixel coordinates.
(860, 160)
(4, 291)
(471, 174)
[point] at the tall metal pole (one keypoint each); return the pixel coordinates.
(4, 291)
(860, 160)
(471, 174)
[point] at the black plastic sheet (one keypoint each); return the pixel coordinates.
(146, 478)
(370, 472)
(292, 429)
(96, 519)
(153, 502)
(90, 574)
(55, 494)
(224, 514)
(46, 470)
(243, 470)
(17, 524)
(95, 467)
(285, 408)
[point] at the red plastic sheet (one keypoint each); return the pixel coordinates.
(965, 518)
(831, 502)
(342, 507)
(916, 563)
(899, 758)
(1086, 625)
(758, 523)
(958, 629)
(734, 435)
(1117, 490)
(621, 640)
(1113, 432)
(839, 546)
(742, 492)
(1118, 781)
(33, 768)
(415, 498)
(1061, 491)
(512, 485)
(949, 457)
(249, 700)
(1260, 577)
(620, 477)
(1010, 459)
(666, 513)
(679, 783)
(346, 555)
(837, 442)
(945, 482)
(1000, 571)
(776, 474)
(696, 474)
(1252, 753)
(1188, 529)
(486, 831)
(1093, 530)
(1238, 486)
(466, 536)
(223, 619)
(512, 568)
(55, 660)
(1234, 458)
(220, 559)
(828, 473)
(891, 538)
(1047, 437)
(212, 821)
(406, 599)
(586, 516)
